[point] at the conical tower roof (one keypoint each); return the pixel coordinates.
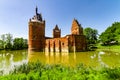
(56, 27)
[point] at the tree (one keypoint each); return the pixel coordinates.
(2, 41)
(8, 42)
(111, 35)
(25, 43)
(91, 35)
(19, 43)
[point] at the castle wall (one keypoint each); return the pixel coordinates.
(76, 43)
(47, 45)
(70, 43)
(80, 43)
(56, 45)
(64, 44)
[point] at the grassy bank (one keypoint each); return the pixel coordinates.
(38, 71)
(113, 48)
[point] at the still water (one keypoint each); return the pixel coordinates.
(96, 59)
(8, 59)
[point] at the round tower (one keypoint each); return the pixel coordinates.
(36, 40)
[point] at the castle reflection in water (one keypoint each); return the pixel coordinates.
(94, 58)
(66, 59)
(51, 58)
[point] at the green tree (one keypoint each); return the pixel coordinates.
(2, 41)
(91, 35)
(25, 43)
(111, 35)
(19, 43)
(8, 42)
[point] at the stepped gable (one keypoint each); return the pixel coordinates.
(76, 28)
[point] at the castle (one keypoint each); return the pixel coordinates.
(73, 42)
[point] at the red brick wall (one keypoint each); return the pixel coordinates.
(76, 28)
(57, 45)
(56, 33)
(36, 36)
(70, 43)
(80, 43)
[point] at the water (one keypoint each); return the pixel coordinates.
(9, 59)
(96, 59)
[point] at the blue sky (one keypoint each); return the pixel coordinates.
(97, 14)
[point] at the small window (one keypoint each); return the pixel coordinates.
(63, 44)
(34, 37)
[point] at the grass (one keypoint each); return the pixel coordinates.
(113, 48)
(38, 71)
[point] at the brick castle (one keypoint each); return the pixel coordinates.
(73, 42)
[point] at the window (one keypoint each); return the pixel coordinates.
(62, 44)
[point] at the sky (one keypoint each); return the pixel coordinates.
(97, 14)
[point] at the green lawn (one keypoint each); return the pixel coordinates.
(113, 48)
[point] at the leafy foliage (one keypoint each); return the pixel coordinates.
(19, 43)
(111, 34)
(38, 71)
(7, 42)
(91, 36)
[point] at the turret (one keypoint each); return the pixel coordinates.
(36, 10)
(56, 32)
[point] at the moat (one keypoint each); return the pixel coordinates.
(96, 59)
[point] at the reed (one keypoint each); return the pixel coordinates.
(38, 71)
